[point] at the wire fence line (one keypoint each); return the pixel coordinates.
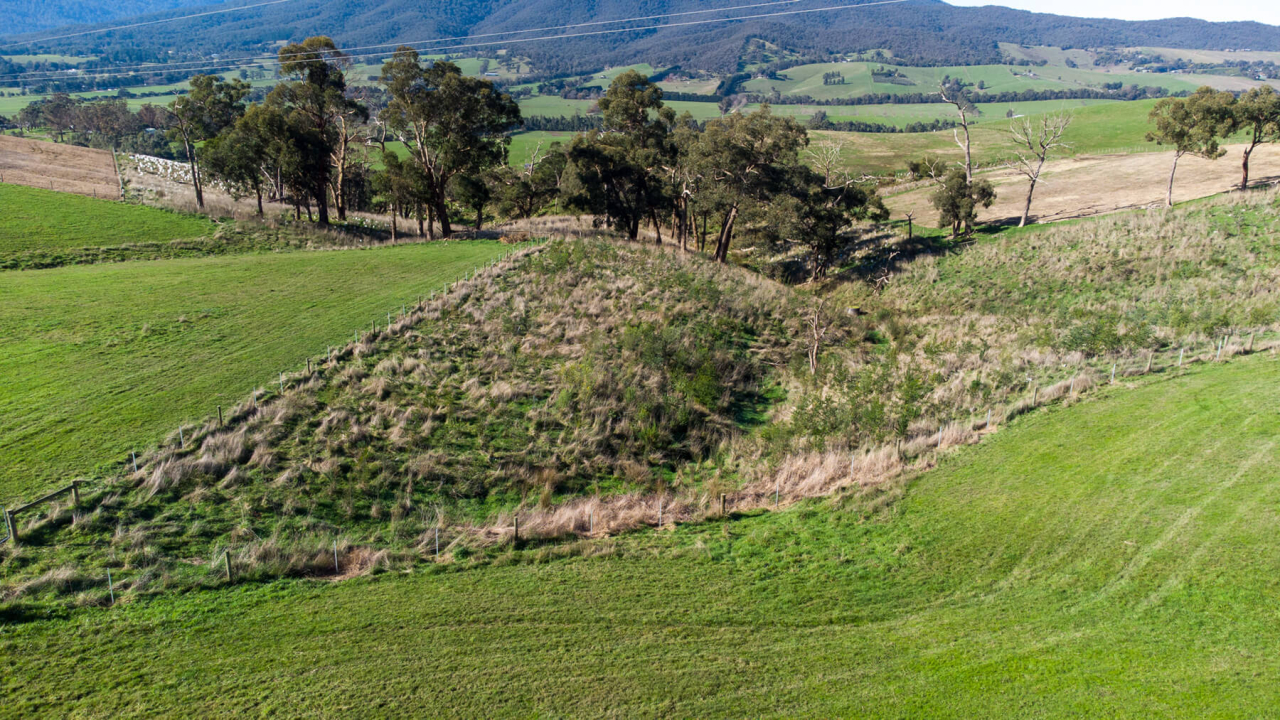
(131, 462)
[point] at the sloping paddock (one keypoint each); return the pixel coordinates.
(64, 168)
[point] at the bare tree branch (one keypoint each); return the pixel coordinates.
(1036, 139)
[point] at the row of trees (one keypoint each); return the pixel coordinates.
(310, 141)
(643, 166)
(103, 123)
(1197, 124)
(738, 173)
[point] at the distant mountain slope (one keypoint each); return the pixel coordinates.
(24, 16)
(921, 30)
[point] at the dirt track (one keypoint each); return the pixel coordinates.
(1096, 185)
(65, 168)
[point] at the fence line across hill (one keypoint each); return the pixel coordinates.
(10, 514)
(589, 517)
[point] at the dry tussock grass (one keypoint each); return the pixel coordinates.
(460, 360)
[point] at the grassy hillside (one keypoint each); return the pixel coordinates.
(1102, 560)
(595, 383)
(1190, 275)
(36, 219)
(104, 359)
(861, 79)
(523, 144)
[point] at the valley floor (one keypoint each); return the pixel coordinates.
(1114, 558)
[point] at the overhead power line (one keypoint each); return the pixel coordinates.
(238, 64)
(99, 31)
(161, 67)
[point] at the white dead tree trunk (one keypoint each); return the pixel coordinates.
(827, 158)
(1036, 139)
(954, 93)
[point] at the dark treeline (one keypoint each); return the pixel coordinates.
(575, 123)
(1131, 92)
(819, 121)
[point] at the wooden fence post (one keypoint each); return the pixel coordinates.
(220, 423)
(1150, 356)
(12, 527)
(226, 562)
(517, 532)
(75, 493)
(1251, 342)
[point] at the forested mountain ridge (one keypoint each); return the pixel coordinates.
(24, 16)
(925, 31)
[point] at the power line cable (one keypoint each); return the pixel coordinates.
(148, 22)
(236, 64)
(643, 18)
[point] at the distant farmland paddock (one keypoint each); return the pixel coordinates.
(54, 166)
(1096, 185)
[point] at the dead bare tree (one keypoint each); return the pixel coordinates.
(826, 156)
(1036, 139)
(953, 91)
(819, 325)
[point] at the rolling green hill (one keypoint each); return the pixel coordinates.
(1109, 559)
(104, 359)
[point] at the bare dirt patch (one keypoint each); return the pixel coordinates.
(1100, 184)
(53, 166)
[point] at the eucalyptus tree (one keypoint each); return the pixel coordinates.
(451, 124)
(318, 110)
(1035, 140)
(617, 174)
(211, 105)
(746, 161)
(1257, 114)
(1193, 126)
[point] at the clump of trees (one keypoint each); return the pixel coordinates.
(432, 147)
(105, 123)
(738, 173)
(1197, 124)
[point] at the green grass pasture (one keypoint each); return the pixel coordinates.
(36, 219)
(99, 360)
(1113, 559)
